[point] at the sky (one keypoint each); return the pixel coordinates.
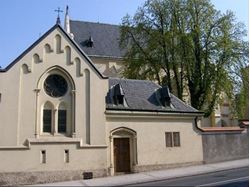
(24, 21)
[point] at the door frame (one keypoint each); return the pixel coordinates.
(123, 132)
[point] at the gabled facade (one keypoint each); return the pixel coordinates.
(45, 98)
(60, 115)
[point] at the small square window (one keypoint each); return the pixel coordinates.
(172, 139)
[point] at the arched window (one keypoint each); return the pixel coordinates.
(26, 69)
(47, 117)
(58, 43)
(62, 118)
(57, 114)
(47, 48)
(36, 58)
(68, 54)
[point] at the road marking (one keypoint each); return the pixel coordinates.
(223, 182)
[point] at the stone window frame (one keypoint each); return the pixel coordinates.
(172, 139)
(68, 100)
(55, 112)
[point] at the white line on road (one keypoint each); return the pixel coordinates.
(223, 182)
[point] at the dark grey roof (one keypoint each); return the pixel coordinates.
(141, 95)
(105, 38)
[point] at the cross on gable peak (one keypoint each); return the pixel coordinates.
(58, 10)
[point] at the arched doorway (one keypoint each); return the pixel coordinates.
(123, 150)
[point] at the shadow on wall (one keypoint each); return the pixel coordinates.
(225, 146)
(223, 143)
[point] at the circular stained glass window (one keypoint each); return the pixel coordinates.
(55, 85)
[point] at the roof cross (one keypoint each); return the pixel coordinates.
(58, 10)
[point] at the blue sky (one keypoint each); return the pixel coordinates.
(23, 21)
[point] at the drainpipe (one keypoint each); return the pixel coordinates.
(196, 124)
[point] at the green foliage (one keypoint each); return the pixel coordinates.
(185, 43)
(242, 98)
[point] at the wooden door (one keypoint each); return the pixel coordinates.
(121, 154)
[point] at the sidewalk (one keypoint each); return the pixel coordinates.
(154, 175)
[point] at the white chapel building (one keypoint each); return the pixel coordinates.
(62, 113)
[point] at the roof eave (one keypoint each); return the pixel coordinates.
(128, 111)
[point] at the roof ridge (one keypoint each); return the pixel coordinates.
(134, 80)
(98, 23)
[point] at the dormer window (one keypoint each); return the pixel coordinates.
(118, 99)
(90, 42)
(118, 96)
(165, 98)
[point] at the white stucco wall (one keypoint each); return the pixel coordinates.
(22, 99)
(151, 143)
(30, 159)
(20, 111)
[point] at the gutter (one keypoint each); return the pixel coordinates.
(124, 110)
(149, 114)
(217, 130)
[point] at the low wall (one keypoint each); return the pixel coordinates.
(37, 177)
(224, 146)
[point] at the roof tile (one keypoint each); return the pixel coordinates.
(105, 36)
(141, 95)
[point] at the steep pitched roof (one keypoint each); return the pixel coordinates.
(140, 95)
(105, 36)
(41, 38)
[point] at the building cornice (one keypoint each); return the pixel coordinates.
(149, 114)
(107, 57)
(53, 140)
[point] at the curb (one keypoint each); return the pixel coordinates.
(157, 175)
(167, 174)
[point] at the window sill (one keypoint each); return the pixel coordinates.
(174, 147)
(61, 140)
(53, 139)
(54, 135)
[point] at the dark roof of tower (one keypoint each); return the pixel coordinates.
(105, 38)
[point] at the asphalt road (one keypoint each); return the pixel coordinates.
(229, 178)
